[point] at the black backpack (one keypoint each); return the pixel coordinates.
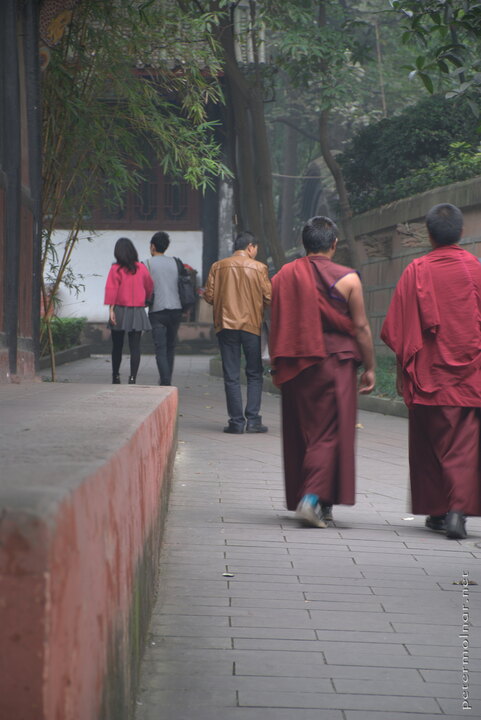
(185, 285)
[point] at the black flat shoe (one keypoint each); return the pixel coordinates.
(131, 380)
(116, 380)
(437, 523)
(456, 525)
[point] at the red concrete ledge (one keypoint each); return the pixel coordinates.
(85, 473)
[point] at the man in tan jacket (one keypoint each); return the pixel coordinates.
(238, 287)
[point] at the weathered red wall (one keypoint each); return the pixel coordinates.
(70, 580)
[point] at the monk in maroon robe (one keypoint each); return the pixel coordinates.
(433, 325)
(319, 336)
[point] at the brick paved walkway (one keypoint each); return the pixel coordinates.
(360, 621)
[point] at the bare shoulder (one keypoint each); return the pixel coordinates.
(349, 282)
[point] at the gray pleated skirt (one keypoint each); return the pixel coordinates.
(130, 318)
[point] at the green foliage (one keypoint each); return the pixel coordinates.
(66, 333)
(448, 35)
(110, 91)
(461, 163)
(386, 377)
(316, 55)
(127, 80)
(410, 152)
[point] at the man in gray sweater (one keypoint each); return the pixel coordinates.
(166, 311)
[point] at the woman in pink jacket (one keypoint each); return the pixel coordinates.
(129, 286)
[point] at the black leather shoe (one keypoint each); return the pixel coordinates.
(116, 380)
(256, 428)
(437, 523)
(234, 429)
(456, 525)
(131, 380)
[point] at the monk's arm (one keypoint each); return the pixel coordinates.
(350, 286)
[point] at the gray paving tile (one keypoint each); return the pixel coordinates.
(428, 637)
(336, 701)
(282, 633)
(173, 701)
(448, 676)
(371, 657)
(385, 715)
(155, 713)
(339, 620)
(401, 688)
(454, 707)
(288, 619)
(182, 603)
(254, 592)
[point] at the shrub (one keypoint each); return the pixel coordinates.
(386, 377)
(66, 333)
(462, 163)
(382, 154)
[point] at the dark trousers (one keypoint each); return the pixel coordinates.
(318, 432)
(445, 459)
(134, 346)
(165, 324)
(230, 344)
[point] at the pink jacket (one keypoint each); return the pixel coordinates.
(123, 288)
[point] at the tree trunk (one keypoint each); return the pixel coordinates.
(344, 204)
(254, 181)
(228, 121)
(335, 169)
(264, 177)
(288, 188)
(248, 211)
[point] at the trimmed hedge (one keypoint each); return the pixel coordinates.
(66, 333)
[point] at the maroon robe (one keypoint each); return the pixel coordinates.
(315, 357)
(434, 327)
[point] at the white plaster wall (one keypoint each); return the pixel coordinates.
(92, 259)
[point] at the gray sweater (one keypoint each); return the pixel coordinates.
(165, 276)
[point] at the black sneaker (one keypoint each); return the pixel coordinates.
(234, 429)
(437, 523)
(256, 428)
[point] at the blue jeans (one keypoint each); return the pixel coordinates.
(230, 344)
(165, 324)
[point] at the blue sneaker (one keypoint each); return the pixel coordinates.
(308, 512)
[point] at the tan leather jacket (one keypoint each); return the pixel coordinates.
(238, 288)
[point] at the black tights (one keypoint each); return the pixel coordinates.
(134, 345)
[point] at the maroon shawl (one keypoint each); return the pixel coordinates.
(298, 314)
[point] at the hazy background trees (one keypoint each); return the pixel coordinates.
(315, 107)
